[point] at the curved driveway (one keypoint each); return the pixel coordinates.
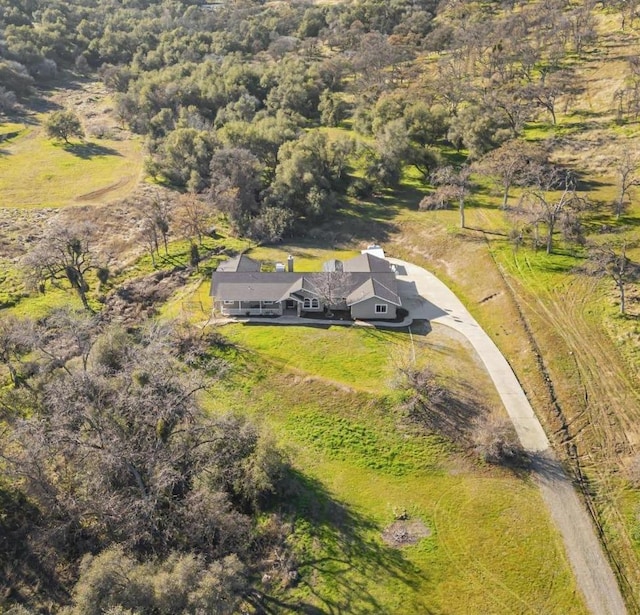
(428, 298)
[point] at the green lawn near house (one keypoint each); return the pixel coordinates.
(329, 396)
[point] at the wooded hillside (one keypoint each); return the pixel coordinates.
(495, 142)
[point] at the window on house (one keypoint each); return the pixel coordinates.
(315, 303)
(268, 302)
(381, 308)
(307, 303)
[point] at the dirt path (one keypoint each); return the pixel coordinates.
(427, 297)
(96, 194)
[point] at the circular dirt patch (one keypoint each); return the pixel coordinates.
(405, 532)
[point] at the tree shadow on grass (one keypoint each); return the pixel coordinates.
(87, 151)
(448, 415)
(361, 221)
(34, 105)
(338, 546)
(547, 468)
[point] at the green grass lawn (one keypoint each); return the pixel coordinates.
(39, 305)
(308, 256)
(37, 172)
(328, 396)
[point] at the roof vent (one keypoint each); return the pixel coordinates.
(290, 263)
(279, 267)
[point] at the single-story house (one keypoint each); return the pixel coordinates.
(365, 286)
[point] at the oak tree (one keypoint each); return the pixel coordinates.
(63, 125)
(553, 201)
(610, 259)
(65, 255)
(628, 178)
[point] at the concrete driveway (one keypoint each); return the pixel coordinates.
(426, 297)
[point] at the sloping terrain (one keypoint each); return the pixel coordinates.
(36, 172)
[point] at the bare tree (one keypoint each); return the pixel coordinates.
(332, 289)
(429, 405)
(192, 216)
(513, 103)
(180, 583)
(610, 259)
(161, 212)
(154, 223)
(512, 164)
(627, 168)
(14, 345)
(65, 334)
(63, 255)
(552, 202)
(551, 86)
(582, 25)
(496, 442)
(149, 236)
(454, 185)
(120, 452)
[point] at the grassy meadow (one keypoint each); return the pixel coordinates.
(330, 398)
(38, 172)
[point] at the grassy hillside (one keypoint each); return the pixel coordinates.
(328, 395)
(38, 172)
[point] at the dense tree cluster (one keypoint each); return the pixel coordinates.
(108, 442)
(255, 83)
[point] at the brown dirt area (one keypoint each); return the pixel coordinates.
(403, 533)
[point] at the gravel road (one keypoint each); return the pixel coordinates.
(428, 298)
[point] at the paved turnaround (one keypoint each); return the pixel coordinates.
(428, 298)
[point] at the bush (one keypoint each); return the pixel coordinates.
(360, 188)
(496, 442)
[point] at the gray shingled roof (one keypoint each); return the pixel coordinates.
(332, 265)
(374, 288)
(240, 263)
(253, 286)
(367, 262)
(377, 280)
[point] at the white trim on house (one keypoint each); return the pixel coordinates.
(240, 288)
(250, 308)
(375, 297)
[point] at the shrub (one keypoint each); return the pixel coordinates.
(496, 442)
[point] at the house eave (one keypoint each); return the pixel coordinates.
(368, 297)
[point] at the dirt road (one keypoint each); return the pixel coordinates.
(426, 297)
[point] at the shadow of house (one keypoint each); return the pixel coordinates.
(419, 307)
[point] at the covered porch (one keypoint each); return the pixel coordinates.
(250, 308)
